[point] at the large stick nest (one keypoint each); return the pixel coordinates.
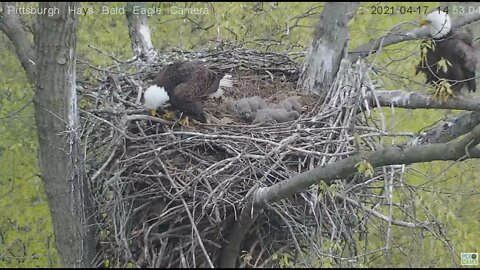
(167, 196)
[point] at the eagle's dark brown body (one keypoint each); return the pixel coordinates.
(457, 48)
(188, 84)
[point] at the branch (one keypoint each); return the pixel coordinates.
(11, 26)
(235, 239)
(381, 216)
(390, 39)
(418, 100)
(139, 31)
(389, 156)
(464, 147)
(448, 129)
(328, 47)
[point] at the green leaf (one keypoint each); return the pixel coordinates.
(365, 168)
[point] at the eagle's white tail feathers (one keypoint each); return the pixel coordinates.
(226, 81)
(155, 97)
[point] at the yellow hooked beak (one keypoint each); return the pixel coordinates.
(423, 22)
(152, 112)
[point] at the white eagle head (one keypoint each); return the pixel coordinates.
(155, 97)
(438, 23)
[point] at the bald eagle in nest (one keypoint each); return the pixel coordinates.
(187, 84)
(448, 60)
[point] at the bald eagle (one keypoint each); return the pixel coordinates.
(188, 84)
(450, 57)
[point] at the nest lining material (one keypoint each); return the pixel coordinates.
(167, 196)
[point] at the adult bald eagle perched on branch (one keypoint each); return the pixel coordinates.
(188, 84)
(450, 57)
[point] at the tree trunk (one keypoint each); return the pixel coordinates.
(11, 26)
(328, 47)
(56, 117)
(139, 31)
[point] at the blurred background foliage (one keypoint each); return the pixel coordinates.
(445, 192)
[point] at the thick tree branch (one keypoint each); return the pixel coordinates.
(389, 156)
(418, 100)
(10, 25)
(462, 148)
(240, 229)
(418, 33)
(329, 46)
(139, 31)
(448, 129)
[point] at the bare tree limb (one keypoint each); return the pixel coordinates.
(328, 47)
(389, 156)
(448, 129)
(418, 33)
(418, 100)
(139, 31)
(462, 148)
(240, 229)
(11, 26)
(381, 216)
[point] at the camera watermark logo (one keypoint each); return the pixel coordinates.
(469, 258)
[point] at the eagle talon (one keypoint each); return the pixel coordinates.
(184, 121)
(152, 112)
(443, 90)
(169, 115)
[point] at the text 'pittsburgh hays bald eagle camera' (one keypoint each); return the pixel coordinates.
(449, 61)
(186, 85)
